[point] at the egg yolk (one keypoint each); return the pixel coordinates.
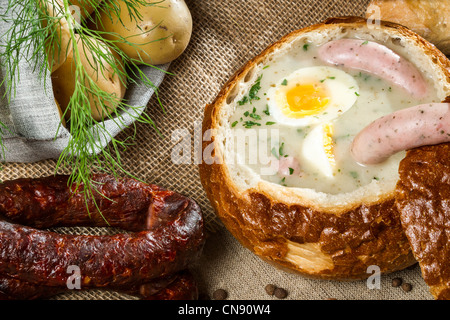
(328, 143)
(305, 100)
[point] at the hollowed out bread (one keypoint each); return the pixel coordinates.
(423, 197)
(315, 234)
(428, 18)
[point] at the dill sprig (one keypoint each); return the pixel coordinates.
(36, 36)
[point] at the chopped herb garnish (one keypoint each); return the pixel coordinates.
(291, 171)
(376, 178)
(269, 123)
(234, 124)
(284, 83)
(243, 101)
(331, 78)
(266, 67)
(306, 46)
(274, 152)
(252, 94)
(354, 174)
(357, 94)
(252, 115)
(281, 151)
(365, 42)
(249, 124)
(267, 112)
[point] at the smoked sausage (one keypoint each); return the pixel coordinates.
(179, 286)
(43, 257)
(167, 232)
(51, 202)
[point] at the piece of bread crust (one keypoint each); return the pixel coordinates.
(319, 237)
(423, 195)
(428, 18)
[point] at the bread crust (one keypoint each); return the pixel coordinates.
(427, 18)
(318, 243)
(422, 199)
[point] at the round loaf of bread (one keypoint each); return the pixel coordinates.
(326, 235)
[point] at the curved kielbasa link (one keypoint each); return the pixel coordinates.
(50, 202)
(179, 286)
(15, 289)
(43, 257)
(375, 59)
(183, 288)
(176, 236)
(405, 129)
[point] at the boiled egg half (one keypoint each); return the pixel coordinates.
(318, 150)
(312, 95)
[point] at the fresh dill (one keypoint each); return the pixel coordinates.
(36, 35)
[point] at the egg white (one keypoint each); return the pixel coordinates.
(342, 92)
(315, 154)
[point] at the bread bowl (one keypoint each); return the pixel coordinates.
(423, 194)
(319, 234)
(427, 18)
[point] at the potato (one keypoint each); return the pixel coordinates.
(86, 6)
(61, 114)
(63, 80)
(161, 35)
(57, 47)
(57, 51)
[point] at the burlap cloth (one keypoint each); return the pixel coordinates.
(226, 34)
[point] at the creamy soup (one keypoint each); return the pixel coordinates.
(308, 144)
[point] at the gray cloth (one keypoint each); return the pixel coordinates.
(32, 115)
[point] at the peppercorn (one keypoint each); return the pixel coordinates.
(397, 282)
(407, 287)
(280, 293)
(220, 294)
(270, 289)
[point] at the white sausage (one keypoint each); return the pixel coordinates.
(375, 59)
(288, 166)
(285, 166)
(425, 124)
